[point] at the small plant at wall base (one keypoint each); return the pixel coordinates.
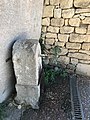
(55, 52)
(51, 74)
(52, 71)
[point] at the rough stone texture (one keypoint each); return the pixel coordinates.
(86, 46)
(66, 4)
(86, 20)
(83, 69)
(61, 44)
(44, 29)
(72, 50)
(54, 2)
(82, 3)
(85, 51)
(18, 20)
(74, 22)
(57, 13)
(69, 28)
(64, 60)
(53, 29)
(46, 21)
(64, 51)
(63, 37)
(79, 38)
(66, 29)
(50, 41)
(51, 35)
(28, 94)
(48, 11)
(88, 31)
(80, 30)
(46, 2)
(68, 13)
(84, 61)
(57, 22)
(79, 56)
(27, 61)
(27, 66)
(73, 45)
(66, 22)
(82, 10)
(74, 61)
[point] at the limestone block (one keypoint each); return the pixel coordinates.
(64, 51)
(46, 21)
(28, 95)
(74, 61)
(66, 4)
(68, 13)
(82, 11)
(46, 2)
(54, 2)
(53, 29)
(85, 14)
(88, 30)
(18, 20)
(82, 3)
(66, 29)
(50, 41)
(79, 56)
(48, 46)
(72, 51)
(80, 30)
(57, 22)
(51, 35)
(84, 61)
(74, 22)
(86, 46)
(73, 45)
(86, 20)
(66, 22)
(27, 61)
(83, 69)
(79, 38)
(63, 37)
(57, 13)
(61, 44)
(64, 60)
(85, 51)
(82, 17)
(43, 35)
(48, 11)
(44, 29)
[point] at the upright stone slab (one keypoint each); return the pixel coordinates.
(19, 19)
(27, 66)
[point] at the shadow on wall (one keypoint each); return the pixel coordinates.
(9, 61)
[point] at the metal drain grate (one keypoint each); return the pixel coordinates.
(77, 112)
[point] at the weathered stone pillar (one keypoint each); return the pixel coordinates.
(19, 19)
(27, 66)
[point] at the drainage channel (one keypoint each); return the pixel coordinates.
(77, 111)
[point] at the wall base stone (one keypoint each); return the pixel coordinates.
(83, 69)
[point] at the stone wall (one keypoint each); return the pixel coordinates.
(66, 23)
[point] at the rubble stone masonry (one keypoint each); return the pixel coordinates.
(67, 23)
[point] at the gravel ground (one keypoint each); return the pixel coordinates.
(84, 88)
(54, 105)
